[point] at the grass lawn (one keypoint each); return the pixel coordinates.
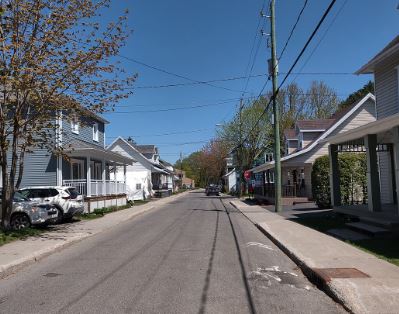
(386, 247)
(9, 236)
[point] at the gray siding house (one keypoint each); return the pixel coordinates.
(296, 167)
(380, 139)
(87, 165)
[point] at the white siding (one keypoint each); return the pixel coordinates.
(386, 87)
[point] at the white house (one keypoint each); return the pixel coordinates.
(296, 166)
(147, 176)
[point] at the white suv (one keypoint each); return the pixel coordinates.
(65, 198)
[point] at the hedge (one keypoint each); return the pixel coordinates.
(353, 179)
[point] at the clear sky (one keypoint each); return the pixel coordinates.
(212, 39)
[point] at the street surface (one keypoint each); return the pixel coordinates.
(195, 255)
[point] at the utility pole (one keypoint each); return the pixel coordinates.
(276, 111)
(181, 170)
(239, 153)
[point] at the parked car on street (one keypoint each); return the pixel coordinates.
(212, 189)
(26, 213)
(65, 198)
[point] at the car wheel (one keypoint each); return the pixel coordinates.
(60, 217)
(20, 221)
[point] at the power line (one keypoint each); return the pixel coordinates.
(326, 12)
(321, 39)
(176, 75)
(164, 134)
(293, 29)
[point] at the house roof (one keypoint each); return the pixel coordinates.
(314, 125)
(338, 122)
(388, 50)
(290, 134)
(79, 148)
(146, 149)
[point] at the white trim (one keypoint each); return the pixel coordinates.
(366, 69)
(96, 132)
(314, 130)
(75, 125)
(397, 82)
(320, 139)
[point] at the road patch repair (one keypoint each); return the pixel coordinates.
(20, 253)
(361, 282)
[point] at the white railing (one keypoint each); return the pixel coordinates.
(97, 187)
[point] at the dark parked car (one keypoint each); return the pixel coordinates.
(212, 189)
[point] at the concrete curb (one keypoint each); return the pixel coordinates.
(14, 266)
(313, 276)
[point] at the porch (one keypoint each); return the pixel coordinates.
(90, 168)
(379, 141)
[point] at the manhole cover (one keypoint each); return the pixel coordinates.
(329, 273)
(51, 275)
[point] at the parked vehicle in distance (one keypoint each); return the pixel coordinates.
(26, 213)
(65, 198)
(212, 189)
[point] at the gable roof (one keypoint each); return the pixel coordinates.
(131, 146)
(308, 148)
(290, 134)
(314, 125)
(146, 149)
(388, 50)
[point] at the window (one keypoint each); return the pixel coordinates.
(138, 186)
(75, 125)
(95, 132)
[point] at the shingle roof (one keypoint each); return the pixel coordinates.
(290, 134)
(146, 149)
(319, 124)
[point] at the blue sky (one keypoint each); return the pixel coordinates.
(209, 39)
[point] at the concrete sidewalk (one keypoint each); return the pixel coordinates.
(314, 252)
(18, 254)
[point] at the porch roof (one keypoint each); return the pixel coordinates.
(375, 127)
(79, 148)
(158, 170)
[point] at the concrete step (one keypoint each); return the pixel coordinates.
(367, 228)
(379, 222)
(347, 234)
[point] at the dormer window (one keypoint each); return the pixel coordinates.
(75, 125)
(95, 132)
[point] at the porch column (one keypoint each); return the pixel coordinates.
(88, 177)
(373, 178)
(124, 178)
(334, 176)
(396, 161)
(103, 176)
(115, 181)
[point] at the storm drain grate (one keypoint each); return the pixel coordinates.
(329, 273)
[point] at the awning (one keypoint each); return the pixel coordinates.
(100, 154)
(375, 127)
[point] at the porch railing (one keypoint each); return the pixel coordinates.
(98, 187)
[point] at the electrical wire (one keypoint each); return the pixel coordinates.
(293, 29)
(325, 14)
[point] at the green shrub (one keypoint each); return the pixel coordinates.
(352, 175)
(320, 182)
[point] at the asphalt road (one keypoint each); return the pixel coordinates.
(194, 255)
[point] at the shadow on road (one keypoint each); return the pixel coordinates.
(204, 296)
